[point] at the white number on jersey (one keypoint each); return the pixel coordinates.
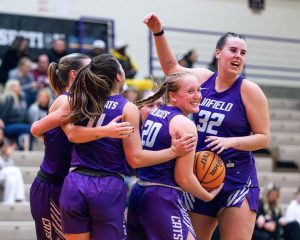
(150, 132)
(207, 121)
(101, 119)
(99, 123)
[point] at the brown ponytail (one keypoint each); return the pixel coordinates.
(92, 87)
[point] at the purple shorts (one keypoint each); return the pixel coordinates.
(157, 212)
(44, 204)
(226, 198)
(95, 205)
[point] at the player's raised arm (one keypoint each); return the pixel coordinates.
(56, 118)
(165, 54)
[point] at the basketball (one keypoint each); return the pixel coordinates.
(209, 169)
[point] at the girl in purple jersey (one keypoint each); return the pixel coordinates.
(46, 188)
(145, 109)
(230, 135)
(93, 194)
(155, 207)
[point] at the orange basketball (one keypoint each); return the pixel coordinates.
(209, 169)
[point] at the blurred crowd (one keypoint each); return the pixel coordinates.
(24, 86)
(274, 223)
(25, 89)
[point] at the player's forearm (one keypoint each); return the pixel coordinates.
(80, 134)
(189, 183)
(165, 55)
(145, 158)
(45, 124)
(53, 120)
(251, 143)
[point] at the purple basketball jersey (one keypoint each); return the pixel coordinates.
(156, 136)
(45, 193)
(105, 154)
(57, 156)
(96, 204)
(223, 114)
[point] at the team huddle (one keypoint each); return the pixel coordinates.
(93, 136)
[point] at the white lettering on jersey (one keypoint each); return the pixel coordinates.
(177, 228)
(220, 105)
(110, 105)
(160, 113)
(47, 227)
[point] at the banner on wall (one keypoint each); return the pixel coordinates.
(40, 32)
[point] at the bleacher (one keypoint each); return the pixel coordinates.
(15, 220)
(282, 165)
(285, 133)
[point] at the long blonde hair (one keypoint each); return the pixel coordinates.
(170, 85)
(8, 91)
(269, 207)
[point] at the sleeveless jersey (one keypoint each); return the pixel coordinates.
(223, 114)
(156, 136)
(57, 155)
(105, 154)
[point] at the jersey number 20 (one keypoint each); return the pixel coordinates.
(150, 132)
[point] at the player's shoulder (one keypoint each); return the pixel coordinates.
(131, 111)
(60, 101)
(183, 122)
(250, 86)
(129, 106)
(251, 92)
(202, 74)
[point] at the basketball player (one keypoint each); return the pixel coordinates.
(145, 109)
(233, 120)
(155, 206)
(46, 188)
(93, 195)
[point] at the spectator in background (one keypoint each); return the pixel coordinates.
(40, 108)
(40, 72)
(293, 210)
(119, 52)
(24, 75)
(213, 65)
(189, 59)
(13, 112)
(17, 50)
(270, 224)
(10, 176)
(57, 51)
(98, 48)
(1, 121)
(130, 93)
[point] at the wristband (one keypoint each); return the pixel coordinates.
(159, 33)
